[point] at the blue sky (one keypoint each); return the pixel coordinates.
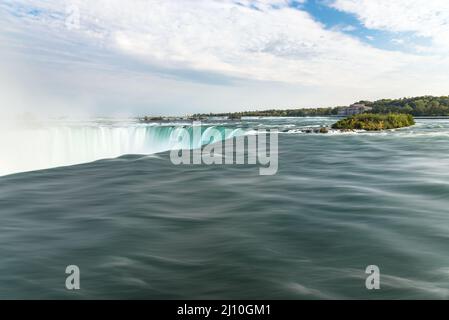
(112, 57)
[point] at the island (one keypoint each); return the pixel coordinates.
(375, 122)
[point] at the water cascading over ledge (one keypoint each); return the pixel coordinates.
(49, 146)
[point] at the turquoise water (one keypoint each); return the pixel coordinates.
(140, 227)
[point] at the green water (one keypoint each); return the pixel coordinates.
(140, 227)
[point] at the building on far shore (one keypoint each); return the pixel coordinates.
(353, 109)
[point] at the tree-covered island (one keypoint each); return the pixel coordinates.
(375, 122)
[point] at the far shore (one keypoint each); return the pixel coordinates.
(215, 118)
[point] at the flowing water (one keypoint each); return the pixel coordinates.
(138, 226)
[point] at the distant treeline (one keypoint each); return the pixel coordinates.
(277, 113)
(418, 106)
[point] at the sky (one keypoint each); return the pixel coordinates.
(175, 57)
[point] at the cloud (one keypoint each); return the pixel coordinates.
(344, 28)
(204, 54)
(258, 40)
(425, 18)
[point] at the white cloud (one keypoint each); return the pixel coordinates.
(199, 46)
(425, 18)
(344, 28)
(398, 41)
(273, 44)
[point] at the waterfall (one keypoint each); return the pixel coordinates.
(50, 146)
